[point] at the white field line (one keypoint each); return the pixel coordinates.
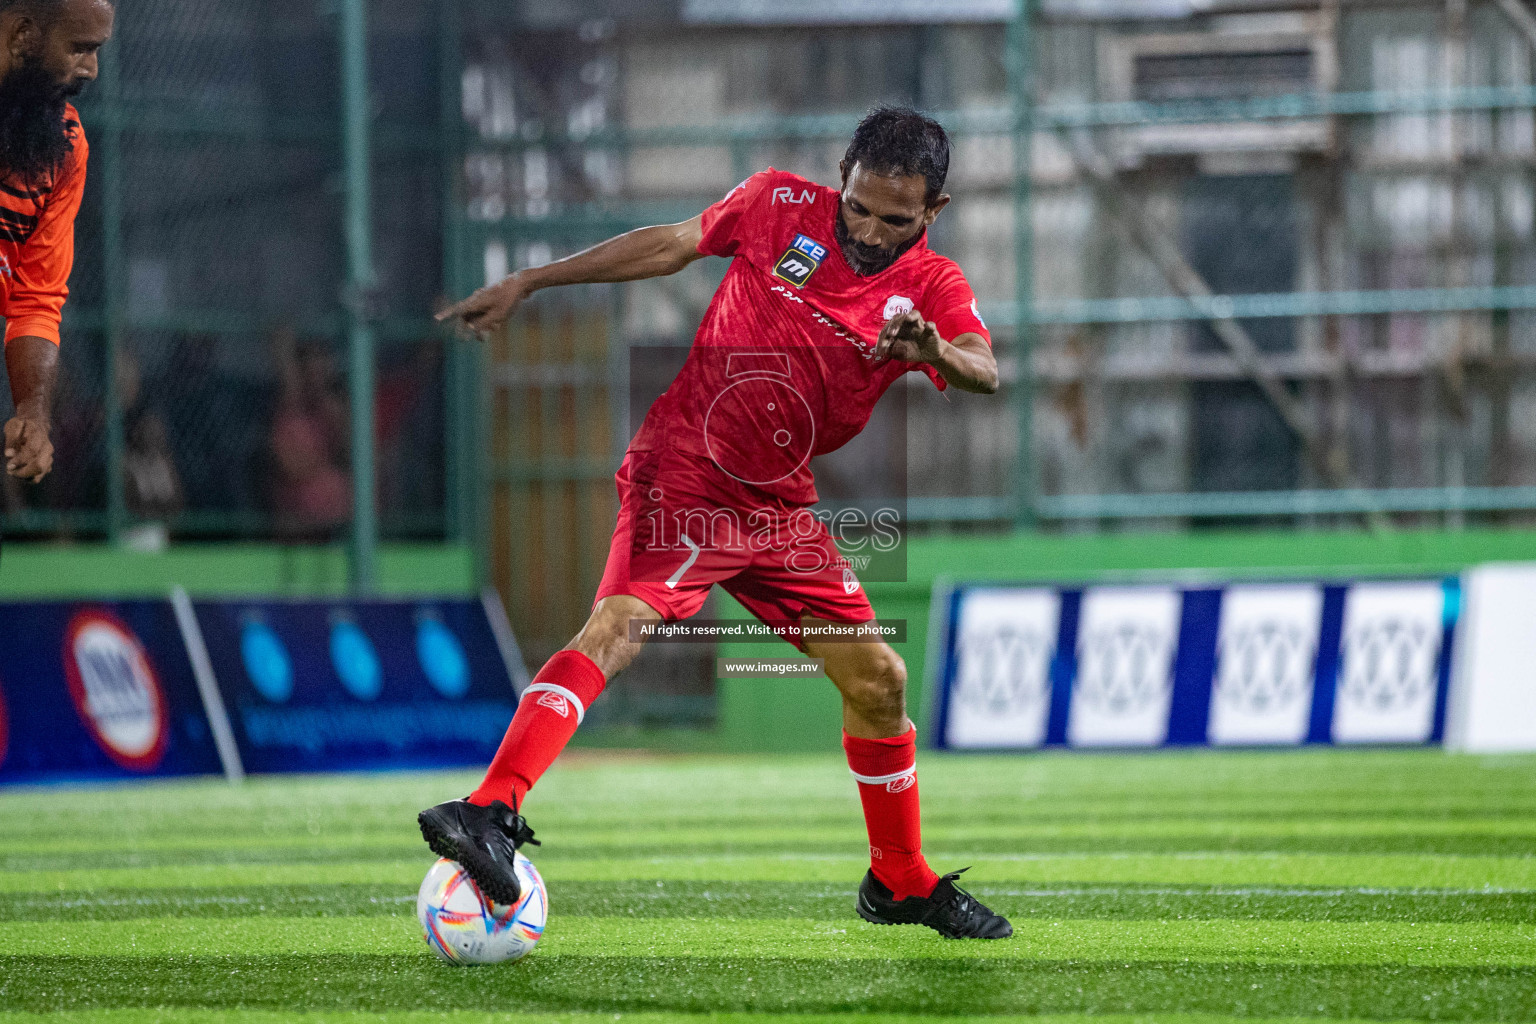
(198, 901)
(1131, 889)
(989, 858)
(835, 893)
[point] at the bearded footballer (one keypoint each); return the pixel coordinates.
(832, 296)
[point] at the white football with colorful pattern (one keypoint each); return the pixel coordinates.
(464, 927)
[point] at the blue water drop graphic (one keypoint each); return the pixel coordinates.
(442, 658)
(266, 661)
(355, 661)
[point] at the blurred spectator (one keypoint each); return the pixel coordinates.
(151, 485)
(214, 425)
(311, 488)
(80, 430)
(408, 426)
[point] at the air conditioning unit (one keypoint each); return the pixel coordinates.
(1238, 58)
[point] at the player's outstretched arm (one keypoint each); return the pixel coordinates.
(966, 362)
(645, 252)
(33, 365)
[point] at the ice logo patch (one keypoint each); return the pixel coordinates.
(900, 785)
(977, 314)
(815, 250)
(850, 581)
(897, 305)
(800, 261)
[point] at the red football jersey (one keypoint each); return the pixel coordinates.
(782, 367)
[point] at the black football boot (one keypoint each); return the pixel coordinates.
(950, 910)
(483, 840)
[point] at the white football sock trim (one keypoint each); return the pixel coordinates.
(581, 712)
(880, 780)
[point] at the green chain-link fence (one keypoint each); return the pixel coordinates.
(211, 270)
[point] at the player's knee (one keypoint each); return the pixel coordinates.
(881, 692)
(892, 673)
(606, 636)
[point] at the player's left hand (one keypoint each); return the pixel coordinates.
(28, 449)
(910, 338)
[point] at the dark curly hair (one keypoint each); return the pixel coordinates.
(895, 140)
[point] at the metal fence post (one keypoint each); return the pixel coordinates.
(115, 282)
(464, 498)
(356, 115)
(1018, 47)
(449, 88)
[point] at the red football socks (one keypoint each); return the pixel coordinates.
(887, 774)
(551, 708)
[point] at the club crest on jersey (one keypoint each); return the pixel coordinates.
(800, 261)
(897, 305)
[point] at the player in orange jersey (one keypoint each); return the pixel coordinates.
(48, 54)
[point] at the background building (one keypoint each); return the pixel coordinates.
(1352, 182)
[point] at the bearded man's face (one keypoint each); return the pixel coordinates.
(32, 141)
(51, 64)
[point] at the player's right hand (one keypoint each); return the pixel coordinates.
(28, 449)
(487, 309)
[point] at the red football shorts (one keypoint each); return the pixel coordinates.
(685, 525)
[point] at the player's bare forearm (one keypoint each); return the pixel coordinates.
(33, 366)
(633, 256)
(967, 363)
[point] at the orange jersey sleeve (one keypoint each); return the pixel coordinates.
(40, 274)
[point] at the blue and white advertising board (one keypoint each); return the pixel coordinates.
(98, 691)
(1261, 692)
(348, 685)
(1493, 704)
(1244, 664)
(129, 689)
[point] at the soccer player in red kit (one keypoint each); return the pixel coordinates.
(831, 297)
(47, 56)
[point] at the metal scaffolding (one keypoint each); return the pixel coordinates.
(1028, 112)
(539, 136)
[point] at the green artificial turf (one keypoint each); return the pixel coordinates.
(1178, 886)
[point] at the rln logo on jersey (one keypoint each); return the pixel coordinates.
(787, 195)
(800, 261)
